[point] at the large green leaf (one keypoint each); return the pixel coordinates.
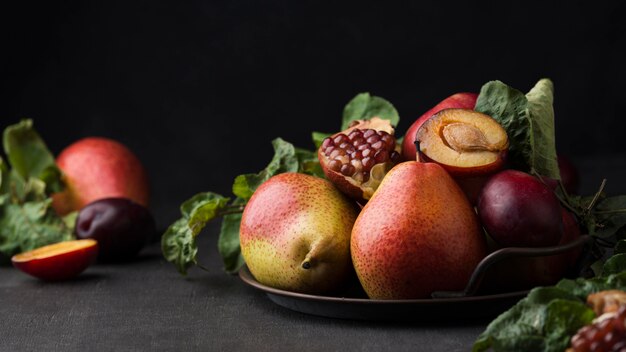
(540, 106)
(29, 156)
(365, 106)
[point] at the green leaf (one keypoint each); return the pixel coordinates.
(179, 246)
(27, 226)
(524, 327)
(178, 243)
(509, 107)
(308, 163)
(4, 177)
(620, 247)
(284, 160)
(365, 106)
(540, 100)
(202, 208)
(529, 123)
(228, 242)
(29, 156)
(563, 319)
(614, 265)
(318, 138)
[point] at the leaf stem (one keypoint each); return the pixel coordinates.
(596, 197)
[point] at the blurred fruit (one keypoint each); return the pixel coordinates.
(470, 145)
(357, 159)
(519, 210)
(59, 261)
(95, 168)
(458, 100)
(295, 234)
(121, 227)
(418, 234)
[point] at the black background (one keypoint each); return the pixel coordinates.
(199, 89)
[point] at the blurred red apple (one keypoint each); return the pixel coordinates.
(59, 261)
(458, 100)
(95, 168)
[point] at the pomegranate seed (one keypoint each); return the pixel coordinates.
(358, 141)
(368, 133)
(367, 163)
(394, 156)
(356, 155)
(607, 335)
(343, 159)
(381, 156)
(327, 142)
(366, 176)
(334, 165)
(358, 165)
(378, 145)
(363, 146)
(340, 138)
(335, 153)
(329, 150)
(355, 134)
(347, 169)
(367, 152)
(373, 139)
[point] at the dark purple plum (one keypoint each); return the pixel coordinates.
(518, 210)
(121, 227)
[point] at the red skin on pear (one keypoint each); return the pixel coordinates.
(59, 261)
(96, 168)
(459, 100)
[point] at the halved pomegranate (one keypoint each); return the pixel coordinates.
(357, 159)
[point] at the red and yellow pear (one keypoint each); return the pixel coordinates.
(416, 235)
(295, 234)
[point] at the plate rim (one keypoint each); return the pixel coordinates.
(246, 276)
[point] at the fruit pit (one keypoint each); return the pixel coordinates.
(355, 154)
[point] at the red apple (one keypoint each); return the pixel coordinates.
(59, 261)
(95, 168)
(458, 100)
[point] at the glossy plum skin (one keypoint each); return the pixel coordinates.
(121, 227)
(518, 210)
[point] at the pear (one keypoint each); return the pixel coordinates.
(417, 234)
(295, 234)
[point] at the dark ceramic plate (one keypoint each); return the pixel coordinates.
(444, 306)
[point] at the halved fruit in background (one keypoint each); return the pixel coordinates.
(59, 261)
(121, 227)
(470, 145)
(459, 100)
(357, 159)
(95, 168)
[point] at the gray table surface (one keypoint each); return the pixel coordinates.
(147, 306)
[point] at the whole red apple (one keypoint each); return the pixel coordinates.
(458, 100)
(95, 168)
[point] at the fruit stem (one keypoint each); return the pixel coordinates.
(596, 197)
(417, 149)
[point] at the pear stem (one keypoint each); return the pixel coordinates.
(306, 264)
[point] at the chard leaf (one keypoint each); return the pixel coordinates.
(178, 243)
(529, 123)
(228, 243)
(30, 225)
(284, 160)
(563, 319)
(540, 100)
(29, 156)
(365, 106)
(615, 264)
